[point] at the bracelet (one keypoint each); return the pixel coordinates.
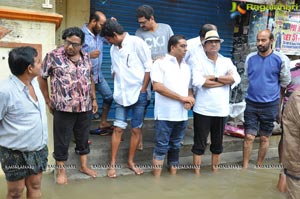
(93, 99)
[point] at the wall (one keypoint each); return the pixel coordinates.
(75, 12)
(36, 5)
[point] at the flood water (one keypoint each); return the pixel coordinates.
(227, 184)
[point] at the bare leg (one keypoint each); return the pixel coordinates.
(134, 141)
(85, 169)
(33, 186)
(15, 189)
(140, 145)
(115, 143)
(263, 149)
(104, 114)
(157, 167)
(215, 160)
(247, 149)
(61, 173)
(281, 185)
(173, 170)
(197, 162)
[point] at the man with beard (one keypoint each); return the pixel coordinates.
(267, 75)
(93, 44)
(71, 101)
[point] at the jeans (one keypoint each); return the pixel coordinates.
(137, 118)
(103, 88)
(168, 137)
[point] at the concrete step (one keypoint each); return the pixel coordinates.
(99, 156)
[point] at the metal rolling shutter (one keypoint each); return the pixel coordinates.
(185, 17)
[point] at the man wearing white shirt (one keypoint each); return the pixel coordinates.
(171, 79)
(212, 79)
(194, 46)
(131, 63)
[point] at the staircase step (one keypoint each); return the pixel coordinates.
(100, 153)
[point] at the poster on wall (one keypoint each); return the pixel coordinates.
(258, 21)
(287, 32)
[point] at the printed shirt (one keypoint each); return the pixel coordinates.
(91, 43)
(213, 101)
(23, 121)
(129, 65)
(175, 77)
(70, 84)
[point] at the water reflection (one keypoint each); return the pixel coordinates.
(227, 184)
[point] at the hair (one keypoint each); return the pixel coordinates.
(20, 58)
(271, 35)
(110, 27)
(174, 40)
(73, 31)
(205, 28)
(94, 16)
(145, 11)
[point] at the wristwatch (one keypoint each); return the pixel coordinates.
(216, 78)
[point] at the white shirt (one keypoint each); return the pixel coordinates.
(23, 121)
(195, 53)
(213, 101)
(129, 65)
(176, 78)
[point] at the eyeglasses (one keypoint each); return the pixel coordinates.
(143, 22)
(68, 43)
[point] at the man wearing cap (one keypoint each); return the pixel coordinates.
(212, 79)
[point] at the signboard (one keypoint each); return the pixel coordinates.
(259, 1)
(287, 32)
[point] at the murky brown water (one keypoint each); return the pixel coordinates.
(227, 184)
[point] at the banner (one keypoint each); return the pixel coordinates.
(287, 32)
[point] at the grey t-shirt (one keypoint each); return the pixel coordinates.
(158, 40)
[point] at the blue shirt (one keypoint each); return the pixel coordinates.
(265, 76)
(23, 122)
(94, 42)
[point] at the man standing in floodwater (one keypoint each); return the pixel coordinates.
(267, 74)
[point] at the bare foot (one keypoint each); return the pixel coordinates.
(112, 173)
(61, 177)
(135, 169)
(88, 171)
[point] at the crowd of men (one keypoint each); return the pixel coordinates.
(184, 74)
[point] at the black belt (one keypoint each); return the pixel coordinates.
(290, 175)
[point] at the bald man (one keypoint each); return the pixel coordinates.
(93, 44)
(267, 74)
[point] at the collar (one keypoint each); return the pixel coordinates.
(86, 30)
(20, 85)
(173, 59)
